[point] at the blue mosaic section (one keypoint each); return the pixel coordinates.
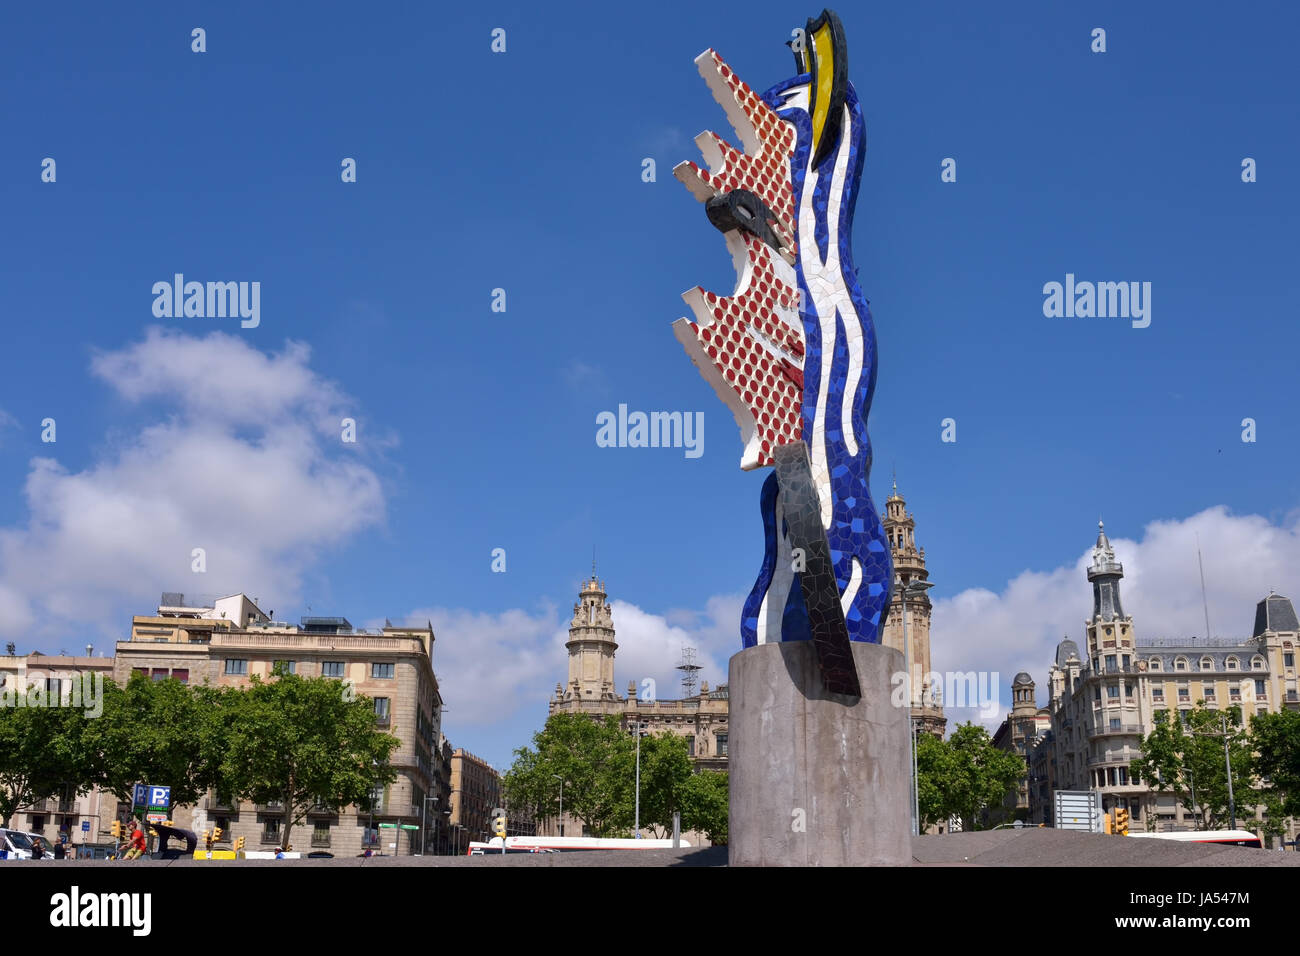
(855, 530)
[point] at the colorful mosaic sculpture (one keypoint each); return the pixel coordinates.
(792, 352)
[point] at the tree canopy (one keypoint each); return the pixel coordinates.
(596, 759)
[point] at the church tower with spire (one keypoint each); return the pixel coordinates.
(591, 646)
(909, 565)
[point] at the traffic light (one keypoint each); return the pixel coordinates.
(499, 826)
(116, 829)
(1106, 825)
(216, 834)
(1121, 822)
(239, 844)
(207, 839)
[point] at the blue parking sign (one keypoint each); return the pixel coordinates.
(141, 795)
(160, 796)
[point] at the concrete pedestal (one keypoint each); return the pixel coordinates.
(817, 779)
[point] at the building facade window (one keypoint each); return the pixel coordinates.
(1288, 659)
(1207, 690)
(1257, 663)
(285, 667)
(271, 829)
(1110, 662)
(722, 745)
(1232, 664)
(181, 674)
(1158, 692)
(236, 665)
(1154, 664)
(1114, 723)
(382, 712)
(1180, 664)
(331, 669)
(381, 671)
(1184, 693)
(1112, 691)
(1261, 689)
(1207, 664)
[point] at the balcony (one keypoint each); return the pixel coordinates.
(1130, 729)
(54, 805)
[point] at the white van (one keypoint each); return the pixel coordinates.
(15, 845)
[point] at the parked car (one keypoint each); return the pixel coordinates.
(15, 845)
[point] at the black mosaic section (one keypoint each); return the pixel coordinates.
(741, 209)
(821, 595)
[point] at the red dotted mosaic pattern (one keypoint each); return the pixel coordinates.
(767, 175)
(771, 386)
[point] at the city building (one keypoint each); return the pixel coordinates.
(475, 793)
(909, 566)
(1019, 733)
(701, 718)
(1104, 700)
(228, 641)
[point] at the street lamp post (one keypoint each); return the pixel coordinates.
(906, 590)
(561, 779)
(636, 826)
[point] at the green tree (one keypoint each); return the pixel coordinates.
(1161, 764)
(665, 770)
(591, 756)
(43, 753)
(704, 804)
(1275, 738)
(163, 732)
(933, 762)
(302, 742)
(976, 775)
(1184, 755)
(1276, 820)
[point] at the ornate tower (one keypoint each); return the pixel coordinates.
(1110, 631)
(909, 565)
(591, 646)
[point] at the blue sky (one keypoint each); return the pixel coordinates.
(522, 171)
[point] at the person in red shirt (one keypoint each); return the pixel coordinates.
(138, 844)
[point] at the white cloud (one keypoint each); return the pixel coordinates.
(247, 464)
(492, 666)
(1019, 628)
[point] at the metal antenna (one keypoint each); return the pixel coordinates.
(1204, 601)
(690, 675)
